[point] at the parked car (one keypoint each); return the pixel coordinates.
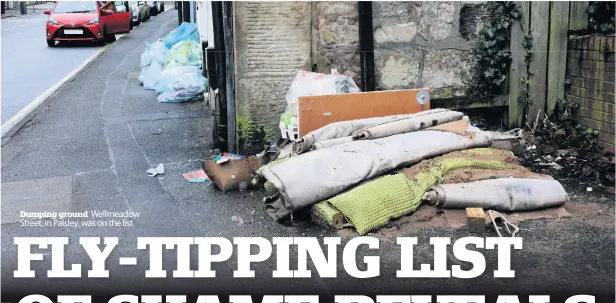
(153, 7)
(140, 11)
(87, 21)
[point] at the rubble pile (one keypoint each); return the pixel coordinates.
(567, 150)
(367, 171)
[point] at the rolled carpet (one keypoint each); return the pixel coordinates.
(318, 175)
(346, 128)
(373, 204)
(506, 194)
(410, 124)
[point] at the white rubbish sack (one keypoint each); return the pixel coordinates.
(186, 87)
(155, 52)
(173, 76)
(313, 84)
(151, 74)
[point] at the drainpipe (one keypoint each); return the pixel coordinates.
(221, 76)
(227, 19)
(366, 45)
(192, 11)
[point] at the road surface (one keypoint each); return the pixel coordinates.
(29, 66)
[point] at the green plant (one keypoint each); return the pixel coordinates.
(601, 17)
(490, 60)
(524, 98)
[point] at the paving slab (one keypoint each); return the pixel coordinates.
(51, 195)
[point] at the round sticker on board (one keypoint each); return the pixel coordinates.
(423, 97)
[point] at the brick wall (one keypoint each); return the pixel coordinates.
(590, 67)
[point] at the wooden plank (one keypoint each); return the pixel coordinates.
(517, 69)
(578, 17)
(540, 23)
(557, 56)
(318, 111)
(469, 103)
(475, 219)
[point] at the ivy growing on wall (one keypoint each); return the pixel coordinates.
(491, 59)
(601, 17)
(524, 97)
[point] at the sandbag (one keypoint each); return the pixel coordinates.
(346, 128)
(323, 173)
(406, 125)
(506, 194)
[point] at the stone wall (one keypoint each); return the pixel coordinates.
(424, 44)
(590, 70)
(272, 43)
(336, 37)
(417, 44)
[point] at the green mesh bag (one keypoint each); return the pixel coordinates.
(375, 203)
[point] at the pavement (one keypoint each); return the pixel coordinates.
(99, 133)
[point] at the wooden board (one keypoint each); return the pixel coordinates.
(578, 17)
(540, 24)
(318, 111)
(557, 57)
(517, 69)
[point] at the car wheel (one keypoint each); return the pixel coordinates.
(51, 43)
(162, 8)
(109, 38)
(137, 22)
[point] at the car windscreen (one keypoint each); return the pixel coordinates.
(75, 7)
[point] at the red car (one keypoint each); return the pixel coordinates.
(87, 21)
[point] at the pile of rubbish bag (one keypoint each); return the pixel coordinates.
(172, 66)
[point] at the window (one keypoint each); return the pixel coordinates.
(120, 6)
(75, 7)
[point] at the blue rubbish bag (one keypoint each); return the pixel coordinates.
(186, 31)
(186, 87)
(172, 76)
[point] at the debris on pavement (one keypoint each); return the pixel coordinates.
(231, 172)
(238, 220)
(198, 176)
(512, 229)
(567, 150)
(159, 170)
